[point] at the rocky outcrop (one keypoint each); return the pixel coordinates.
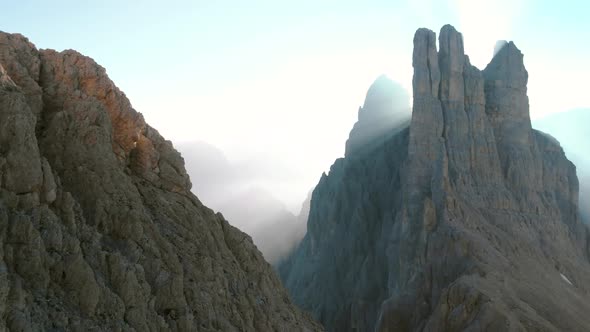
(98, 228)
(465, 220)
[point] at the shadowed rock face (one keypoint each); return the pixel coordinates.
(466, 220)
(571, 128)
(386, 107)
(98, 228)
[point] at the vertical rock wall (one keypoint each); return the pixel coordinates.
(466, 220)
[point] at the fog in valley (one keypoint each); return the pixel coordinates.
(236, 189)
(243, 190)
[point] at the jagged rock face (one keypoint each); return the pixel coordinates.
(466, 220)
(98, 228)
(385, 107)
(338, 271)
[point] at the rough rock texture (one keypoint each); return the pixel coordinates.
(467, 220)
(98, 228)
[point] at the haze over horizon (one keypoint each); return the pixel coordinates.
(288, 96)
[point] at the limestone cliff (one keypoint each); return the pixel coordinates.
(98, 227)
(465, 220)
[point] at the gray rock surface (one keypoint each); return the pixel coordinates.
(98, 227)
(467, 220)
(571, 129)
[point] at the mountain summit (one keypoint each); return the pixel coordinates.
(386, 105)
(465, 219)
(98, 227)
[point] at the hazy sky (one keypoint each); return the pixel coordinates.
(281, 81)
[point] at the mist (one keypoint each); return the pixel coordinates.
(245, 190)
(249, 191)
(242, 190)
(570, 128)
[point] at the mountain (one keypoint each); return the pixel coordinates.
(231, 188)
(279, 235)
(98, 227)
(464, 220)
(570, 128)
(386, 105)
(273, 228)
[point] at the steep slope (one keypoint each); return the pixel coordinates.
(467, 219)
(98, 228)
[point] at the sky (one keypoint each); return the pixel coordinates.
(280, 82)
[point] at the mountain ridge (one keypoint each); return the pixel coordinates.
(467, 219)
(98, 227)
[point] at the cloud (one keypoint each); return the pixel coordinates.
(484, 22)
(234, 189)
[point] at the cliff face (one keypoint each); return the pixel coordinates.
(570, 128)
(98, 228)
(467, 219)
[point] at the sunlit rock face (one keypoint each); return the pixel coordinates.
(466, 220)
(98, 227)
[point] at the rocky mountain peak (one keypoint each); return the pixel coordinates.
(450, 40)
(98, 228)
(451, 59)
(468, 219)
(384, 96)
(385, 104)
(507, 66)
(426, 78)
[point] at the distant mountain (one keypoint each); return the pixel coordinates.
(99, 230)
(230, 188)
(465, 219)
(281, 233)
(387, 105)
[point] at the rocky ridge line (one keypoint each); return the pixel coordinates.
(98, 228)
(465, 220)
